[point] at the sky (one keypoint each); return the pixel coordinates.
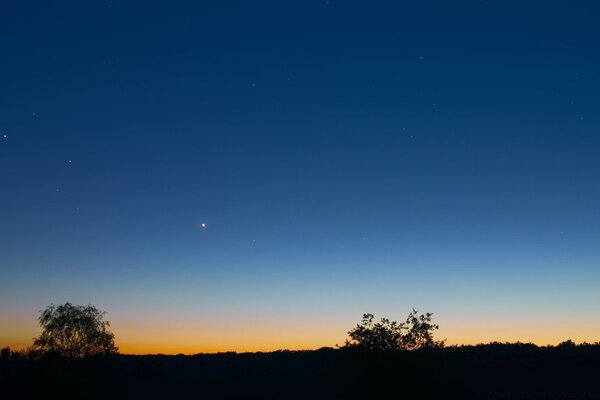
(344, 157)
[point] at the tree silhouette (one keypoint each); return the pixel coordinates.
(74, 332)
(419, 332)
(415, 333)
(383, 335)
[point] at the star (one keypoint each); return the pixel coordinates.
(203, 225)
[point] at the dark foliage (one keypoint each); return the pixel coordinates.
(494, 371)
(5, 352)
(415, 333)
(73, 332)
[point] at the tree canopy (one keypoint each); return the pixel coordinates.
(74, 331)
(415, 333)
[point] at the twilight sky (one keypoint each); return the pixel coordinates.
(345, 156)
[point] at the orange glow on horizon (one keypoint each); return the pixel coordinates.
(192, 340)
(146, 335)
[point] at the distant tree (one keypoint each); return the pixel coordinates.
(74, 332)
(383, 335)
(567, 344)
(415, 333)
(5, 353)
(419, 332)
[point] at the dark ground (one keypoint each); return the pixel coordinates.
(495, 371)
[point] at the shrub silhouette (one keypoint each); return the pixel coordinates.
(415, 333)
(419, 332)
(74, 332)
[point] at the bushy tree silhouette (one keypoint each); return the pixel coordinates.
(415, 333)
(74, 332)
(383, 335)
(419, 332)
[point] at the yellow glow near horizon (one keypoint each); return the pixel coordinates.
(189, 339)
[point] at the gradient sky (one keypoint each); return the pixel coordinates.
(345, 156)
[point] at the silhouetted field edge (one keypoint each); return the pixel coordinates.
(494, 370)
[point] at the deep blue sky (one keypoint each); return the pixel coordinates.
(346, 156)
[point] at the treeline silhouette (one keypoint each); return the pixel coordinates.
(385, 358)
(496, 371)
